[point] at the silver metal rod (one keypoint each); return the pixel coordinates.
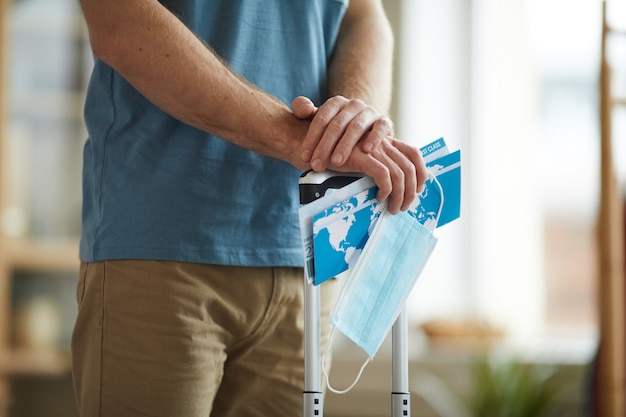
(312, 397)
(400, 395)
(400, 357)
(312, 380)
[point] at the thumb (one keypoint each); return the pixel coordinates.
(303, 108)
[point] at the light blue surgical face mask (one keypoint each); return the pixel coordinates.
(373, 296)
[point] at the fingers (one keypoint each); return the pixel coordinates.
(406, 162)
(379, 171)
(397, 168)
(415, 157)
(385, 172)
(397, 199)
(348, 135)
(366, 126)
(327, 127)
(402, 176)
(382, 128)
(337, 127)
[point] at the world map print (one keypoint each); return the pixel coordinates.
(341, 232)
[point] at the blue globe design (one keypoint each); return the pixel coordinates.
(339, 242)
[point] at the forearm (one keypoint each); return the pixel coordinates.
(362, 63)
(171, 67)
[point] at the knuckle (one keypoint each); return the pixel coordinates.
(382, 178)
(358, 125)
(357, 103)
(376, 138)
(386, 125)
(322, 119)
(337, 125)
(336, 101)
(413, 154)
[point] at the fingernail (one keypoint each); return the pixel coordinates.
(368, 147)
(317, 165)
(305, 155)
(337, 159)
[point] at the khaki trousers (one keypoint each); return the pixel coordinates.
(171, 339)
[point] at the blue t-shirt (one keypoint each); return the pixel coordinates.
(155, 188)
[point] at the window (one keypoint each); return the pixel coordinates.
(514, 85)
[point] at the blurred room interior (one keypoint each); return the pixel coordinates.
(528, 281)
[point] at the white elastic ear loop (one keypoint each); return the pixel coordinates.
(332, 331)
(325, 372)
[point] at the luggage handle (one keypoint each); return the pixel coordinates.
(314, 185)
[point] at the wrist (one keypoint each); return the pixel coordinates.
(290, 135)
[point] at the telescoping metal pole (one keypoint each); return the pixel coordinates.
(313, 398)
(400, 395)
(314, 185)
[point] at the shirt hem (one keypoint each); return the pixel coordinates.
(275, 258)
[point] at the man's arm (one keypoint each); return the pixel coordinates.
(362, 63)
(359, 87)
(155, 52)
(348, 134)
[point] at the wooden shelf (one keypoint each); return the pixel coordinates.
(40, 255)
(27, 254)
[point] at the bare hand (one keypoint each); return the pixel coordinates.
(336, 128)
(397, 168)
